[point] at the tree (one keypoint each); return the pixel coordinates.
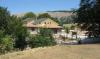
(12, 26)
(4, 18)
(29, 15)
(18, 32)
(88, 16)
(44, 15)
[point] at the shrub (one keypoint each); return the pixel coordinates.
(6, 44)
(41, 41)
(44, 38)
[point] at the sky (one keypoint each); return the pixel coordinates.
(21, 6)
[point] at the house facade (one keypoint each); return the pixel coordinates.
(34, 25)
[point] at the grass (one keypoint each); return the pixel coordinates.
(91, 51)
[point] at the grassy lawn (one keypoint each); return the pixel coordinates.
(91, 51)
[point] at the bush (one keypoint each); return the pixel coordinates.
(6, 44)
(72, 27)
(67, 29)
(44, 38)
(45, 32)
(41, 41)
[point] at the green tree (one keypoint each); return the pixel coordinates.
(88, 16)
(19, 32)
(4, 18)
(13, 26)
(44, 15)
(29, 15)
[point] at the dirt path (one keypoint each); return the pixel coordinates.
(58, 52)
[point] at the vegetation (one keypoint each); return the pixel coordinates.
(88, 17)
(43, 39)
(13, 33)
(29, 15)
(44, 15)
(6, 43)
(66, 29)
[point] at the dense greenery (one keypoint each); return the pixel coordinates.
(44, 38)
(29, 15)
(88, 16)
(6, 43)
(43, 15)
(12, 32)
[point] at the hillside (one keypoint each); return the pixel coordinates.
(57, 14)
(58, 52)
(60, 14)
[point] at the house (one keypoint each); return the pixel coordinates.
(34, 25)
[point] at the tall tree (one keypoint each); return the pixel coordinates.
(18, 32)
(13, 26)
(4, 18)
(88, 16)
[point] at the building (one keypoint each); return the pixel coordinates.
(34, 25)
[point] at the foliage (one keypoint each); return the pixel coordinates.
(72, 27)
(19, 32)
(67, 29)
(29, 15)
(4, 18)
(88, 16)
(44, 15)
(12, 26)
(6, 43)
(14, 35)
(43, 39)
(45, 32)
(1, 34)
